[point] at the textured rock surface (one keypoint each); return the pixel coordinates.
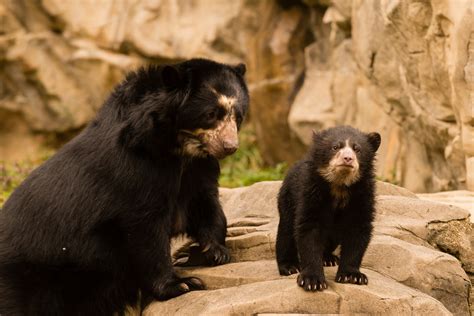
(418, 247)
(401, 67)
(271, 294)
(462, 199)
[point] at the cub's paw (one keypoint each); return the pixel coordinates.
(351, 277)
(216, 254)
(288, 268)
(176, 287)
(312, 281)
(330, 260)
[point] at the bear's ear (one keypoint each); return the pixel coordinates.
(374, 140)
(136, 130)
(240, 69)
(171, 77)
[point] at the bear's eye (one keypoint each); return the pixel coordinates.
(356, 148)
(212, 115)
(335, 147)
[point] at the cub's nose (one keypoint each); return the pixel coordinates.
(230, 147)
(348, 160)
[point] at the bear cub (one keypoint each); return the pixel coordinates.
(326, 200)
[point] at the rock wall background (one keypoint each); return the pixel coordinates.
(403, 67)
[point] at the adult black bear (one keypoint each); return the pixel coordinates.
(88, 232)
(327, 199)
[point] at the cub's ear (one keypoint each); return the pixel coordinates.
(171, 77)
(240, 69)
(374, 140)
(314, 133)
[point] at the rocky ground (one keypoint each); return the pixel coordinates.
(417, 263)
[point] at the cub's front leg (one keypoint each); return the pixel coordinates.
(353, 247)
(310, 241)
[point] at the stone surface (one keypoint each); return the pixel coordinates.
(462, 198)
(235, 294)
(423, 245)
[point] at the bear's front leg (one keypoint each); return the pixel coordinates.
(149, 246)
(207, 224)
(353, 246)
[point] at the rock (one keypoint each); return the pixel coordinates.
(386, 188)
(274, 294)
(155, 28)
(416, 242)
(436, 274)
(445, 227)
(50, 85)
(462, 198)
(274, 66)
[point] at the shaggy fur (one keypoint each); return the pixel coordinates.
(88, 232)
(327, 199)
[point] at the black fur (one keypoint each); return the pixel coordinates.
(313, 223)
(88, 232)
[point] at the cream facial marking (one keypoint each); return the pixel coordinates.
(225, 101)
(219, 141)
(343, 168)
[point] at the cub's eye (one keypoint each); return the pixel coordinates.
(335, 147)
(356, 148)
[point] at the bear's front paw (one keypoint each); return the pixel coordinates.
(330, 260)
(351, 277)
(288, 268)
(312, 281)
(216, 254)
(176, 287)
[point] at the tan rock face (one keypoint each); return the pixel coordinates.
(402, 68)
(415, 260)
(399, 74)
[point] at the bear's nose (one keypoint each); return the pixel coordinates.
(230, 147)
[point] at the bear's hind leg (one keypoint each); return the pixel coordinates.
(330, 259)
(286, 252)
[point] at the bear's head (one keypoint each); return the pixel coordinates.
(344, 154)
(196, 107)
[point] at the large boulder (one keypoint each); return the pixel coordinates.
(418, 247)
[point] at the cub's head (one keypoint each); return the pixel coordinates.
(344, 154)
(197, 105)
